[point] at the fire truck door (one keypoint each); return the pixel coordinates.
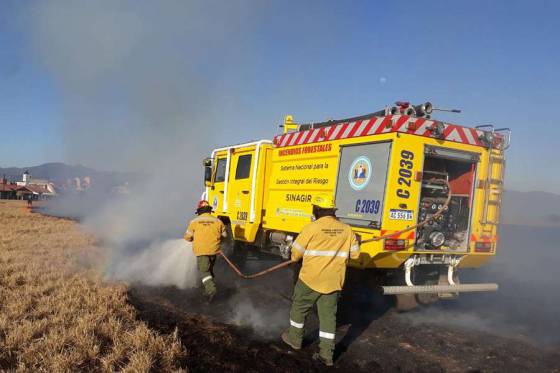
(361, 183)
(217, 200)
(239, 191)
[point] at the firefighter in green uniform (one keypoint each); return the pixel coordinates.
(205, 232)
(325, 246)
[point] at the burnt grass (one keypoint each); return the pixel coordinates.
(371, 335)
(212, 346)
(177, 327)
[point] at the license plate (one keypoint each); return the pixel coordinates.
(401, 214)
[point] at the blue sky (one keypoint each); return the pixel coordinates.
(498, 61)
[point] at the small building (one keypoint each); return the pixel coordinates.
(26, 179)
(24, 193)
(27, 189)
(40, 189)
(8, 190)
(33, 192)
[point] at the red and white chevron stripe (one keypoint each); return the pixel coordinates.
(378, 125)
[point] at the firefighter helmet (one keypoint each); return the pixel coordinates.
(324, 201)
(202, 204)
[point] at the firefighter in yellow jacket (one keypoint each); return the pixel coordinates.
(205, 232)
(325, 246)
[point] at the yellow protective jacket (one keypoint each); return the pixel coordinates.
(205, 232)
(325, 246)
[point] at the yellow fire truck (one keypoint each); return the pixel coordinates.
(391, 173)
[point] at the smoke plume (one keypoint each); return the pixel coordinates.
(148, 88)
(142, 88)
(167, 263)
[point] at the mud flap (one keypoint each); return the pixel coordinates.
(405, 302)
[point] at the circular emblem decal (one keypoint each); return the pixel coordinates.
(359, 174)
(215, 202)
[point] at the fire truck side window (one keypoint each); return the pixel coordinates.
(243, 167)
(220, 170)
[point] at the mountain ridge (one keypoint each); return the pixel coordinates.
(59, 173)
(532, 208)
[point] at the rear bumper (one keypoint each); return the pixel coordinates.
(393, 260)
(431, 289)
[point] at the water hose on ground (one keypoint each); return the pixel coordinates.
(255, 275)
(389, 235)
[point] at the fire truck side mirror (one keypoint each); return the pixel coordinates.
(207, 163)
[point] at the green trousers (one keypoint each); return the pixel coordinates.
(303, 300)
(205, 265)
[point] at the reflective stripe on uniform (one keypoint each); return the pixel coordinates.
(325, 253)
(355, 248)
(326, 335)
(206, 279)
(298, 247)
(296, 324)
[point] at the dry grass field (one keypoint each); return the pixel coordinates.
(57, 315)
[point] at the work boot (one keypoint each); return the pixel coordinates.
(286, 340)
(210, 297)
(327, 361)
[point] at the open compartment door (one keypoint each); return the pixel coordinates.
(450, 231)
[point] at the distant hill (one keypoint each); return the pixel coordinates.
(59, 173)
(531, 208)
(519, 208)
(56, 172)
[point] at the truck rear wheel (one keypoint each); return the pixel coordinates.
(239, 253)
(233, 249)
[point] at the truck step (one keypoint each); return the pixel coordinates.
(426, 289)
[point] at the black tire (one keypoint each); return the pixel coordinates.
(227, 244)
(239, 250)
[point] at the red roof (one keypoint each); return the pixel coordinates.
(39, 189)
(8, 187)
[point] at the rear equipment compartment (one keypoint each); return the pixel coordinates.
(450, 231)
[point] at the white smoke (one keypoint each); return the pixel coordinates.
(265, 321)
(494, 323)
(149, 88)
(167, 263)
(136, 95)
(525, 306)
